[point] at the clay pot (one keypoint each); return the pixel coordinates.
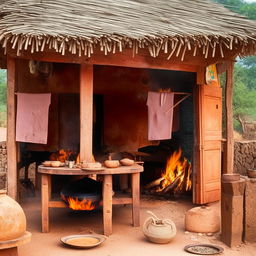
(127, 161)
(229, 177)
(12, 218)
(159, 231)
(111, 163)
(202, 220)
(251, 173)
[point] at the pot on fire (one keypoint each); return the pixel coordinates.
(83, 194)
(159, 231)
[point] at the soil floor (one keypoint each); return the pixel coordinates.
(126, 240)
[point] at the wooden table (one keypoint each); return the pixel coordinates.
(108, 199)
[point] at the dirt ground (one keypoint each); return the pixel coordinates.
(125, 241)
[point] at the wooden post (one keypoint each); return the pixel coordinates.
(229, 152)
(107, 204)
(11, 140)
(136, 199)
(86, 112)
(45, 183)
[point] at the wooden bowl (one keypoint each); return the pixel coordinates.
(55, 163)
(229, 177)
(127, 161)
(112, 163)
(251, 173)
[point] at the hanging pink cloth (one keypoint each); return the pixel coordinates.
(160, 115)
(32, 117)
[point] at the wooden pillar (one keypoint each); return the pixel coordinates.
(107, 204)
(86, 112)
(229, 152)
(11, 138)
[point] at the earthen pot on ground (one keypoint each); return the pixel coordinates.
(159, 231)
(203, 219)
(12, 218)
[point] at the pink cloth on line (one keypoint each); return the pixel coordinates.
(160, 115)
(32, 117)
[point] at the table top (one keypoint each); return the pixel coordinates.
(136, 168)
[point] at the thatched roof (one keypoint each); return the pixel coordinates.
(171, 26)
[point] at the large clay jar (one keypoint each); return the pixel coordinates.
(12, 218)
(202, 219)
(159, 231)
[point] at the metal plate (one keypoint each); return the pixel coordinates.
(83, 241)
(203, 249)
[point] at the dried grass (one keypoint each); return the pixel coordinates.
(170, 26)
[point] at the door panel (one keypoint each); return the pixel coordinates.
(208, 173)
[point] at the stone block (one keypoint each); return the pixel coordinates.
(250, 211)
(232, 212)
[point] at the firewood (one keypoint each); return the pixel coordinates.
(172, 185)
(154, 183)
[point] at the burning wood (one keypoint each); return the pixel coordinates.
(176, 178)
(79, 205)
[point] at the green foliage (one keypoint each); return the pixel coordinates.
(244, 98)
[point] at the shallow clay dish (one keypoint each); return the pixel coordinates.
(251, 173)
(47, 163)
(127, 161)
(112, 163)
(203, 249)
(83, 241)
(55, 163)
(230, 177)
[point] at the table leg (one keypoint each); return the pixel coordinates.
(107, 204)
(136, 199)
(45, 201)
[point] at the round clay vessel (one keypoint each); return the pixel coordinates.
(111, 163)
(159, 231)
(251, 173)
(202, 220)
(12, 218)
(127, 161)
(229, 177)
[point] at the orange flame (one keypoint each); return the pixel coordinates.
(76, 204)
(177, 170)
(61, 155)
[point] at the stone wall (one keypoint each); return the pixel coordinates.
(3, 165)
(244, 156)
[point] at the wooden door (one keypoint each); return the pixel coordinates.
(208, 153)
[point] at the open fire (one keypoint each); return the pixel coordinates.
(79, 205)
(176, 178)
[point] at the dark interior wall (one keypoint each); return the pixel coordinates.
(124, 93)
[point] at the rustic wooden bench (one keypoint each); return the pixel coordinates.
(107, 197)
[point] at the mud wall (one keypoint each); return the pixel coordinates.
(3, 165)
(244, 156)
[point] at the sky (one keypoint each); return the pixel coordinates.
(250, 1)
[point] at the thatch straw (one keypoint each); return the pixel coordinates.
(170, 26)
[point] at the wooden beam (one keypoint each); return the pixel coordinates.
(124, 59)
(229, 152)
(86, 112)
(11, 139)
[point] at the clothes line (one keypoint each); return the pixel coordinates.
(177, 103)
